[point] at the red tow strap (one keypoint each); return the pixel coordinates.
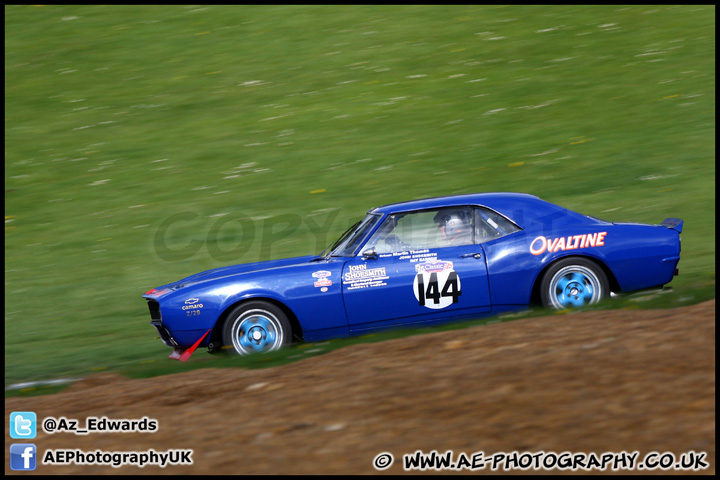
(184, 355)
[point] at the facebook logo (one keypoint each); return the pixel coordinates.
(23, 425)
(23, 456)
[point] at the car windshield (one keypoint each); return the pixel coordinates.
(348, 243)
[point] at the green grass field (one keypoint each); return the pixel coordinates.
(147, 143)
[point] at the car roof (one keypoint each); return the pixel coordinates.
(521, 208)
(493, 200)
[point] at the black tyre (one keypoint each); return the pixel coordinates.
(573, 282)
(256, 326)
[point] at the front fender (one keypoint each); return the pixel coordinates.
(313, 294)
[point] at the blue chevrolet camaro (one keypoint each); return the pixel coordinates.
(416, 263)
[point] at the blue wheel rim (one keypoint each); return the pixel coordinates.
(256, 331)
(574, 286)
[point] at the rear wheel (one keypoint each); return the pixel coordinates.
(256, 326)
(573, 282)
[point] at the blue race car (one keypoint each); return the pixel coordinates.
(417, 263)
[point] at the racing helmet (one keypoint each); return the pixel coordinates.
(456, 222)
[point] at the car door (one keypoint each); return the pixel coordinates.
(410, 272)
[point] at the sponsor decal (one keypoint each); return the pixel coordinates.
(436, 285)
(540, 244)
(359, 276)
(323, 282)
(321, 274)
(433, 266)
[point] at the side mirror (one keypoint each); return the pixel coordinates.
(370, 253)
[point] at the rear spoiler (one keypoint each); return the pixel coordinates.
(673, 223)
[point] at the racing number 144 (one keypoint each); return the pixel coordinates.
(451, 288)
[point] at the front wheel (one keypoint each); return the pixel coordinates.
(256, 327)
(573, 282)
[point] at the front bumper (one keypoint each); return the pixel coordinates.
(156, 321)
(165, 336)
(175, 338)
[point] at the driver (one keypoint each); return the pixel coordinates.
(455, 226)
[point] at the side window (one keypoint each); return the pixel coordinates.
(490, 225)
(425, 229)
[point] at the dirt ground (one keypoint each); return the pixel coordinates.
(596, 382)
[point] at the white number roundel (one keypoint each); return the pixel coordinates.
(438, 289)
